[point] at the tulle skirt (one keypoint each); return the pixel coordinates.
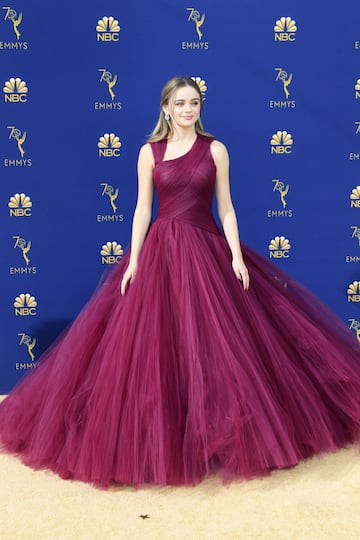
(188, 374)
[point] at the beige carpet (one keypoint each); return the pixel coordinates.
(318, 499)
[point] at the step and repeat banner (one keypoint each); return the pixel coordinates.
(81, 84)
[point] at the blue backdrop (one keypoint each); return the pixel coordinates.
(81, 87)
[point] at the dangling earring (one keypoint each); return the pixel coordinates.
(167, 116)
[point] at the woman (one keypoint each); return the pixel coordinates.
(179, 124)
(176, 368)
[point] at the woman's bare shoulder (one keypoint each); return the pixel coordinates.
(218, 150)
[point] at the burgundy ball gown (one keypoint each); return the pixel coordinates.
(188, 374)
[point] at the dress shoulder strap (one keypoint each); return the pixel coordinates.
(158, 149)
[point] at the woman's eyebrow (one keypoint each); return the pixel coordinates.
(181, 100)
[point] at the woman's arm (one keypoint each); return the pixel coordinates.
(142, 213)
(226, 210)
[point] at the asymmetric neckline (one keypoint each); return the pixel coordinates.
(182, 155)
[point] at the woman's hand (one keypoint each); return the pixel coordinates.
(241, 272)
(128, 277)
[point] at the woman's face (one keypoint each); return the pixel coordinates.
(184, 107)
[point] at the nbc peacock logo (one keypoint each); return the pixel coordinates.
(109, 145)
(202, 86)
(281, 143)
(353, 292)
(355, 197)
(285, 29)
(25, 305)
(111, 253)
(15, 91)
(279, 248)
(20, 205)
(107, 29)
(357, 89)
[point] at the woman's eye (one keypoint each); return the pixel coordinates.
(182, 103)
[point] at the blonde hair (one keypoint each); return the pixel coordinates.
(163, 127)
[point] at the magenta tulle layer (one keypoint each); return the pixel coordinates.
(188, 374)
(184, 376)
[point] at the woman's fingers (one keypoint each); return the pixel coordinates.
(127, 280)
(124, 283)
(246, 280)
(242, 273)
